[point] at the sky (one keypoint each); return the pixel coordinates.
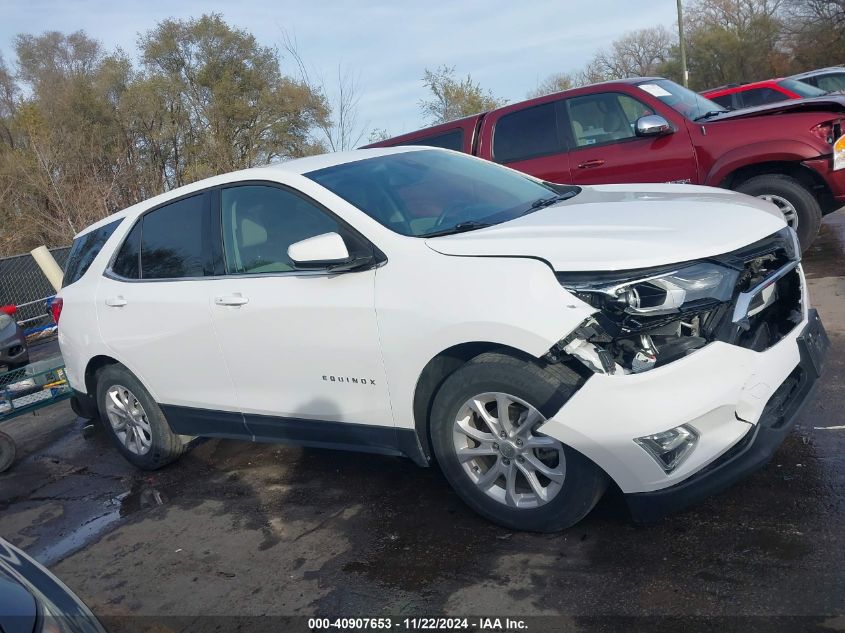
(507, 46)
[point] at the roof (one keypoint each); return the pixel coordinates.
(430, 130)
(745, 86)
(819, 71)
(298, 166)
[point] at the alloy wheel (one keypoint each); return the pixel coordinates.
(790, 213)
(128, 420)
(498, 446)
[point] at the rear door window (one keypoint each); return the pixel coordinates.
(84, 250)
(760, 96)
(527, 133)
(726, 101)
(176, 240)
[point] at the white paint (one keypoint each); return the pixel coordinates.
(275, 351)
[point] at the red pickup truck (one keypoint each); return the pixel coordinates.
(654, 130)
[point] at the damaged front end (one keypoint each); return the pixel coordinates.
(647, 318)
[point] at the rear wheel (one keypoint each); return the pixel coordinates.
(796, 203)
(134, 421)
(8, 451)
(485, 433)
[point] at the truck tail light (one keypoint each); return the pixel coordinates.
(56, 308)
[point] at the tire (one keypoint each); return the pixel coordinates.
(8, 452)
(782, 189)
(528, 385)
(152, 444)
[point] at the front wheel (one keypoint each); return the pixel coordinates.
(485, 433)
(797, 204)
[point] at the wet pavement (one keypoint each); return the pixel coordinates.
(239, 529)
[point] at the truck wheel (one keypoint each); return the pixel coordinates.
(798, 205)
(134, 421)
(484, 432)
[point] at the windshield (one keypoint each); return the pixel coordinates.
(800, 88)
(428, 192)
(830, 82)
(691, 104)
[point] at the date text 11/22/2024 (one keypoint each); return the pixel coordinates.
(481, 625)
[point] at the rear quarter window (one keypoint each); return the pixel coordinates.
(449, 140)
(84, 250)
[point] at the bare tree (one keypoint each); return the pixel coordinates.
(553, 83)
(453, 98)
(378, 134)
(635, 54)
(341, 130)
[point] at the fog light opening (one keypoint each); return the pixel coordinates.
(670, 448)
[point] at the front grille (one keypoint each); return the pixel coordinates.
(774, 321)
(775, 310)
(775, 412)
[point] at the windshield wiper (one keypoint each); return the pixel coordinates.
(460, 227)
(707, 115)
(542, 203)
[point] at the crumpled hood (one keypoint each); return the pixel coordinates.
(827, 103)
(620, 227)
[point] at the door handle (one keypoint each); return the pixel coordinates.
(596, 162)
(116, 302)
(236, 299)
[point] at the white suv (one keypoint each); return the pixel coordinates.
(537, 340)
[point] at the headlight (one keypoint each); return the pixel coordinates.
(666, 292)
(5, 321)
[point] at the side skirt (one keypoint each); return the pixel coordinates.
(383, 440)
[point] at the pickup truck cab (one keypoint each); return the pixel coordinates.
(653, 130)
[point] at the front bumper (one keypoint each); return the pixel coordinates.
(721, 390)
(756, 447)
(13, 349)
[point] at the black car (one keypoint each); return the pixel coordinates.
(32, 600)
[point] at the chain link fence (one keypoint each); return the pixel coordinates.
(22, 284)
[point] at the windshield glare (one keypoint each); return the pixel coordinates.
(691, 104)
(429, 191)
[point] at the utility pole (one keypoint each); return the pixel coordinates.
(682, 45)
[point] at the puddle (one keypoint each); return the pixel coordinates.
(141, 496)
(77, 539)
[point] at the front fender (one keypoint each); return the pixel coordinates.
(787, 151)
(513, 302)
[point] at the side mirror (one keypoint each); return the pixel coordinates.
(325, 251)
(653, 125)
(319, 251)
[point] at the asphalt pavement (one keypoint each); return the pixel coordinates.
(236, 530)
